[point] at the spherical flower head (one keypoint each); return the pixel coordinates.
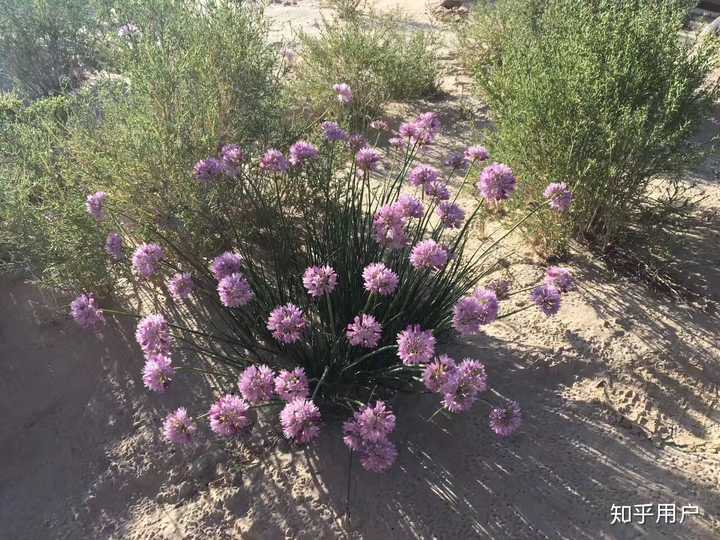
(375, 423)
(357, 141)
(379, 279)
(146, 260)
(378, 457)
(389, 226)
(437, 190)
(422, 175)
(547, 298)
(429, 254)
(287, 323)
(505, 420)
(179, 427)
(234, 291)
(274, 161)
(320, 280)
(559, 195)
(397, 142)
(560, 278)
(410, 206)
(158, 372)
(364, 331)
(301, 152)
(497, 183)
(415, 345)
(333, 132)
(128, 30)
(344, 93)
(426, 127)
(208, 169)
(409, 131)
(476, 153)
(501, 288)
(232, 157)
(367, 159)
(455, 161)
(300, 420)
(226, 264)
(450, 214)
(380, 125)
(181, 286)
(95, 205)
(475, 373)
(290, 385)
(437, 373)
(472, 312)
(459, 394)
(229, 416)
(86, 313)
(153, 335)
(257, 384)
(114, 246)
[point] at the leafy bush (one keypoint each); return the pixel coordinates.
(347, 306)
(49, 47)
(376, 55)
(602, 95)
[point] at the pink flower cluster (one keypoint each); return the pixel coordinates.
(474, 311)
(459, 384)
(229, 162)
(146, 260)
(429, 254)
(367, 434)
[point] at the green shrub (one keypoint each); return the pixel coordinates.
(376, 55)
(602, 95)
(47, 47)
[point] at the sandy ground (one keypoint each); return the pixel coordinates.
(619, 392)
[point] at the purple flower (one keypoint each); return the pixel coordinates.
(505, 420)
(301, 152)
(232, 158)
(437, 373)
(146, 259)
(559, 195)
(181, 286)
(287, 323)
(364, 331)
(128, 30)
(274, 161)
(179, 427)
(378, 457)
(389, 226)
(397, 142)
(547, 298)
(560, 278)
(410, 206)
(422, 175)
(472, 312)
(475, 373)
(380, 125)
(415, 345)
(344, 93)
(497, 183)
(226, 264)
(208, 169)
(357, 141)
(290, 385)
(409, 131)
(85, 311)
(95, 205)
(455, 161)
(459, 394)
(229, 416)
(501, 288)
(158, 372)
(333, 132)
(428, 254)
(437, 190)
(257, 384)
(320, 280)
(114, 246)
(375, 423)
(153, 335)
(476, 153)
(422, 130)
(379, 279)
(234, 291)
(450, 214)
(300, 420)
(367, 159)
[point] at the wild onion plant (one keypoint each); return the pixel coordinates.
(370, 273)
